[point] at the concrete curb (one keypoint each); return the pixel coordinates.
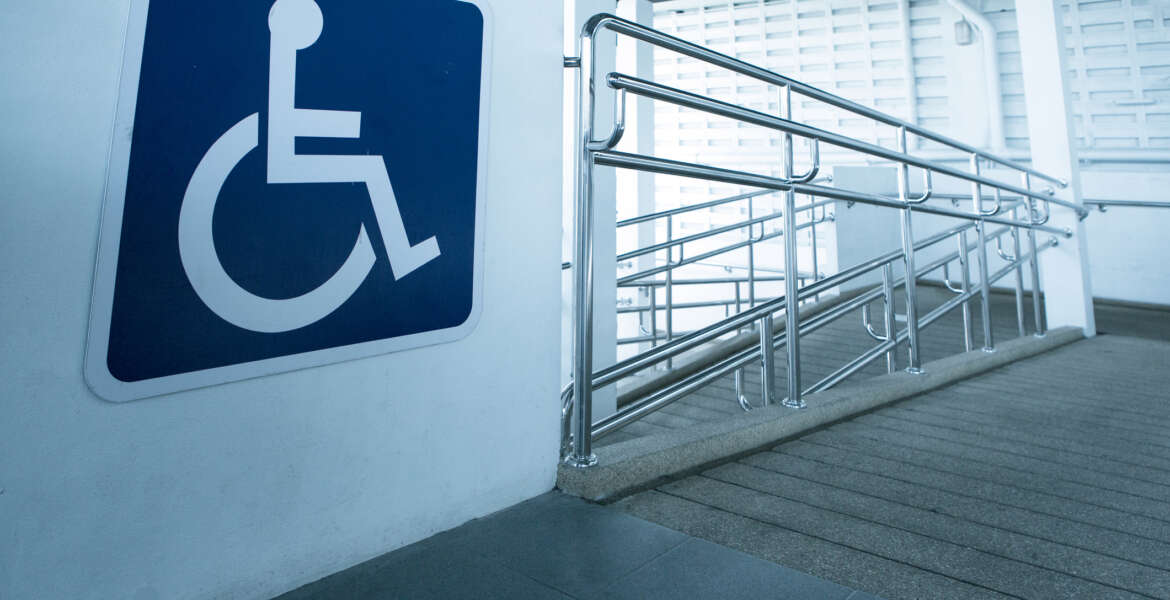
(637, 464)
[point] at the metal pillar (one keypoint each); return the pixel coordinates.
(981, 256)
(915, 365)
(791, 266)
(582, 454)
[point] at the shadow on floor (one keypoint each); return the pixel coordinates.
(558, 547)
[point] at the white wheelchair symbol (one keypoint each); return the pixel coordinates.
(294, 25)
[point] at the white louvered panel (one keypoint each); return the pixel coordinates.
(1119, 66)
(1119, 70)
(932, 70)
(850, 47)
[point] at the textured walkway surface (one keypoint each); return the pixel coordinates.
(1049, 478)
(556, 547)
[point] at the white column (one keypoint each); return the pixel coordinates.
(1064, 270)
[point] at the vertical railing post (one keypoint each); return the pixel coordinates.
(908, 257)
(791, 268)
(768, 360)
(888, 316)
(669, 292)
(965, 269)
(739, 395)
(981, 256)
(752, 256)
(1021, 329)
(812, 237)
(582, 454)
(1034, 261)
(653, 316)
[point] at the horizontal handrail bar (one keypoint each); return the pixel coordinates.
(669, 42)
(652, 248)
(691, 207)
(566, 265)
(704, 256)
(674, 392)
(874, 353)
(714, 232)
(682, 344)
(684, 169)
(678, 97)
(669, 394)
(939, 262)
(1128, 203)
(704, 281)
(922, 271)
(681, 305)
(713, 203)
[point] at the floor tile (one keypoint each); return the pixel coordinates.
(576, 547)
(428, 575)
(701, 569)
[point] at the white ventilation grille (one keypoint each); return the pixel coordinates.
(853, 48)
(1118, 58)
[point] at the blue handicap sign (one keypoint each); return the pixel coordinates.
(292, 183)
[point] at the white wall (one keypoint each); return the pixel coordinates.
(1128, 246)
(248, 489)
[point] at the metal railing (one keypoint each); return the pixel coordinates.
(1015, 208)
(1102, 205)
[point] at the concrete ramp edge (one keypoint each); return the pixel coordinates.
(634, 465)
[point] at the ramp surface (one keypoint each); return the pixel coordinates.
(1048, 478)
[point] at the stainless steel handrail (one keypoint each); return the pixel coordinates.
(711, 253)
(704, 281)
(678, 97)
(651, 36)
(697, 338)
(566, 265)
(687, 385)
(1103, 204)
(685, 169)
(692, 207)
(594, 152)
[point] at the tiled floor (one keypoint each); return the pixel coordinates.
(558, 547)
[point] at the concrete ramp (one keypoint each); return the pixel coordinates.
(1045, 478)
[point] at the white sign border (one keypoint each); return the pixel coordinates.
(96, 370)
